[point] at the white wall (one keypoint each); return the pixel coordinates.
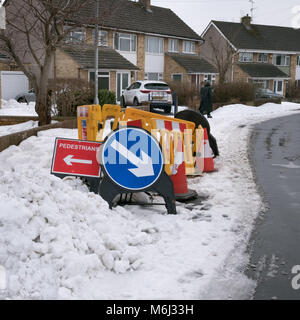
(154, 63)
(13, 83)
(298, 73)
(130, 56)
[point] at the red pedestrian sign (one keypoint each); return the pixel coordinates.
(75, 158)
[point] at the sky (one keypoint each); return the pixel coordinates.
(198, 13)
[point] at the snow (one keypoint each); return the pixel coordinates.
(59, 241)
(5, 130)
(14, 108)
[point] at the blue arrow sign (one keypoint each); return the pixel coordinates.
(132, 158)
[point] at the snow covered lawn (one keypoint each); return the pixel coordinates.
(14, 108)
(59, 241)
(5, 130)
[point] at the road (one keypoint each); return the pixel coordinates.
(275, 243)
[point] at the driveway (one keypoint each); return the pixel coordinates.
(275, 244)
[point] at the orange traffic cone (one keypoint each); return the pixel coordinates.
(182, 193)
(208, 155)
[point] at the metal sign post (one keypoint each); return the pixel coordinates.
(132, 161)
(2, 18)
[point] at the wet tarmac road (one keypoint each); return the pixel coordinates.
(275, 243)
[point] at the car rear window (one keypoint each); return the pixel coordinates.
(156, 86)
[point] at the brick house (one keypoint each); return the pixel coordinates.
(266, 55)
(137, 41)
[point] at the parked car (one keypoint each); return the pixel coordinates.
(262, 93)
(157, 93)
(26, 97)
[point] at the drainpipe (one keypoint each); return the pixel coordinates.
(96, 99)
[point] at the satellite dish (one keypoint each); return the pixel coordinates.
(2, 18)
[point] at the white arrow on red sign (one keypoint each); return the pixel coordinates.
(69, 160)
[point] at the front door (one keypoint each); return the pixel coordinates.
(278, 86)
(123, 79)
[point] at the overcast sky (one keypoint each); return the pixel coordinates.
(198, 13)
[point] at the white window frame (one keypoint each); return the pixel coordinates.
(173, 45)
(246, 57)
(70, 37)
(265, 57)
(177, 74)
(160, 76)
(285, 59)
(160, 45)
(103, 38)
(125, 36)
(298, 60)
(100, 76)
(188, 47)
(213, 78)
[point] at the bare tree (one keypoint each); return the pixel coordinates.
(221, 54)
(34, 30)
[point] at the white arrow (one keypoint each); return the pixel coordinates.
(69, 160)
(144, 165)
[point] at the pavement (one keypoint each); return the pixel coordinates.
(275, 243)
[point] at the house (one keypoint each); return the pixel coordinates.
(137, 41)
(262, 54)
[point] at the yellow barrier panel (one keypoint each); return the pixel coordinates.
(88, 119)
(199, 151)
(188, 152)
(167, 147)
(112, 111)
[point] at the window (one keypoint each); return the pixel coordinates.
(154, 45)
(246, 57)
(103, 80)
(263, 57)
(76, 35)
(298, 60)
(177, 77)
(135, 85)
(282, 60)
(173, 45)
(125, 42)
(157, 86)
(153, 76)
(211, 78)
(188, 47)
(102, 37)
(264, 84)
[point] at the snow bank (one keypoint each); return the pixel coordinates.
(5, 130)
(14, 108)
(59, 241)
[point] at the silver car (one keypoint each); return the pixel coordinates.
(26, 97)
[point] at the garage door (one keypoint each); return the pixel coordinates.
(13, 83)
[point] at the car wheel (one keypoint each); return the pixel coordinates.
(136, 102)
(22, 100)
(123, 104)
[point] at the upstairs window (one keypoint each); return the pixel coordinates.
(282, 60)
(102, 40)
(246, 57)
(188, 47)
(263, 57)
(173, 45)
(154, 45)
(153, 76)
(125, 42)
(75, 35)
(298, 60)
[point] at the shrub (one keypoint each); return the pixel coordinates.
(234, 92)
(69, 94)
(293, 92)
(106, 97)
(187, 94)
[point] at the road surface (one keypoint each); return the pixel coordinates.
(275, 243)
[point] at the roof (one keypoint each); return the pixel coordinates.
(193, 63)
(132, 16)
(260, 37)
(262, 70)
(108, 58)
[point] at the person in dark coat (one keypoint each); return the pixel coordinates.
(206, 100)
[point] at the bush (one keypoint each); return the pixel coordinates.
(293, 92)
(106, 97)
(69, 94)
(234, 92)
(187, 95)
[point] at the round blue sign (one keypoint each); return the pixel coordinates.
(132, 158)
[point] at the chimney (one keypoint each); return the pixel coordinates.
(246, 21)
(146, 4)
